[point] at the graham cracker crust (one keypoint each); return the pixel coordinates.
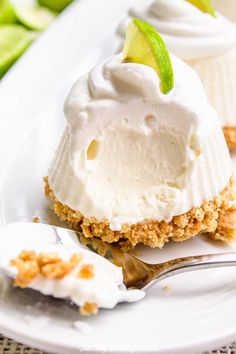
(230, 136)
(215, 217)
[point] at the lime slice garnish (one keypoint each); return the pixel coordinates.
(14, 40)
(7, 14)
(34, 17)
(144, 45)
(204, 5)
(56, 5)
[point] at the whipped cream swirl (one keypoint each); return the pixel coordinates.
(188, 32)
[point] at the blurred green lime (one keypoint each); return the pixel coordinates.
(34, 17)
(14, 40)
(18, 21)
(56, 5)
(7, 14)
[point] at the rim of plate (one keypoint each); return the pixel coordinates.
(9, 327)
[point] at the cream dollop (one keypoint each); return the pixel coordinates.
(131, 153)
(188, 32)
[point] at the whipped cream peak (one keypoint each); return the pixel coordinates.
(113, 77)
(122, 82)
(132, 80)
(187, 31)
(131, 153)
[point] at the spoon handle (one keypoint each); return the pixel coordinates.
(189, 264)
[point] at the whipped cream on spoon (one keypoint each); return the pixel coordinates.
(92, 282)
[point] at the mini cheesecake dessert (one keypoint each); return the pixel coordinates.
(143, 158)
(202, 37)
(226, 8)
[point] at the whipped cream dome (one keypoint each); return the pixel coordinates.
(106, 288)
(188, 32)
(130, 153)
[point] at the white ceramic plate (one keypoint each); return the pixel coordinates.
(196, 312)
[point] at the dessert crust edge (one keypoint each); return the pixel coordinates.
(216, 218)
(230, 136)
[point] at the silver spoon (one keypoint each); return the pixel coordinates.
(139, 274)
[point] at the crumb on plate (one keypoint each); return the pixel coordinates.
(166, 288)
(36, 219)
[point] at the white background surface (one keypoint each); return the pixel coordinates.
(199, 310)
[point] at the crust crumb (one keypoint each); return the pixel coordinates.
(49, 265)
(226, 225)
(166, 288)
(214, 217)
(230, 136)
(89, 309)
(27, 266)
(86, 271)
(36, 219)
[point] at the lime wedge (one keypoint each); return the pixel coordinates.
(34, 17)
(7, 14)
(14, 40)
(56, 5)
(204, 5)
(144, 45)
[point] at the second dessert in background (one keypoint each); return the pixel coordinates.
(205, 40)
(226, 8)
(143, 158)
